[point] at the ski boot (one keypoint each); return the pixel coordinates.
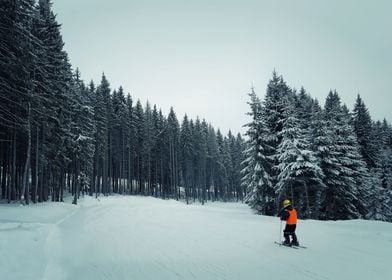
(286, 242)
(294, 243)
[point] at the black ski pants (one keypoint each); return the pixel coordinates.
(288, 231)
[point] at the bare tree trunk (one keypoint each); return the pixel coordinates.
(62, 186)
(11, 193)
(307, 200)
(41, 184)
(105, 173)
(129, 183)
(25, 188)
(4, 171)
(162, 177)
(76, 184)
(35, 189)
(110, 166)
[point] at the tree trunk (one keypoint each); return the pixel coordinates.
(4, 171)
(308, 214)
(35, 188)
(12, 193)
(62, 186)
(129, 172)
(41, 183)
(77, 183)
(25, 188)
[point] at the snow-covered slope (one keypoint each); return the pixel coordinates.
(147, 238)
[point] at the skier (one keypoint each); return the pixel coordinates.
(289, 214)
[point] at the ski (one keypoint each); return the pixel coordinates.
(291, 246)
(281, 244)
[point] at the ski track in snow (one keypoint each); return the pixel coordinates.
(147, 238)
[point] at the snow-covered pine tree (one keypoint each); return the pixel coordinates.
(148, 143)
(257, 164)
(102, 128)
(276, 100)
(204, 160)
(363, 129)
(380, 202)
(140, 135)
(385, 142)
(173, 168)
(355, 163)
(130, 144)
(81, 136)
(221, 179)
(342, 165)
(299, 175)
(120, 137)
(200, 148)
(155, 158)
(186, 157)
(235, 146)
(212, 165)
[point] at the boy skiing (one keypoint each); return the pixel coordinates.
(289, 214)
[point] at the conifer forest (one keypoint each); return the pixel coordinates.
(333, 163)
(62, 136)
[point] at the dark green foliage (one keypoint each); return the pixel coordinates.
(332, 164)
(72, 138)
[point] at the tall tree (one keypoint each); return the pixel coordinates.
(299, 175)
(364, 132)
(257, 165)
(342, 165)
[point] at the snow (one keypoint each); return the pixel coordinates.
(147, 238)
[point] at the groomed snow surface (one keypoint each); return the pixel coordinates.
(147, 238)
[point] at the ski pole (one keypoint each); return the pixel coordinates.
(280, 232)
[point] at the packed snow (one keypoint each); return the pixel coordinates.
(147, 238)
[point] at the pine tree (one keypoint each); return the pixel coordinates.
(139, 137)
(173, 135)
(257, 165)
(342, 165)
(186, 156)
(363, 129)
(102, 123)
(299, 175)
(82, 137)
(130, 143)
(200, 159)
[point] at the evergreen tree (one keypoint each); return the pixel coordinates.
(82, 136)
(186, 156)
(174, 151)
(139, 138)
(363, 129)
(299, 175)
(342, 165)
(257, 165)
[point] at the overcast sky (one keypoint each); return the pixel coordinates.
(201, 57)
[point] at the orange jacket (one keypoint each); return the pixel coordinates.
(292, 220)
(288, 214)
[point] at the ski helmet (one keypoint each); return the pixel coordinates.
(286, 203)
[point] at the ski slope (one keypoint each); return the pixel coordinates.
(147, 238)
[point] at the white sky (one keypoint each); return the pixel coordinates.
(201, 57)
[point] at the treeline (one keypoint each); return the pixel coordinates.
(332, 163)
(59, 135)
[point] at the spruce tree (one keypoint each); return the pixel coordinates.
(342, 165)
(257, 165)
(299, 175)
(363, 129)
